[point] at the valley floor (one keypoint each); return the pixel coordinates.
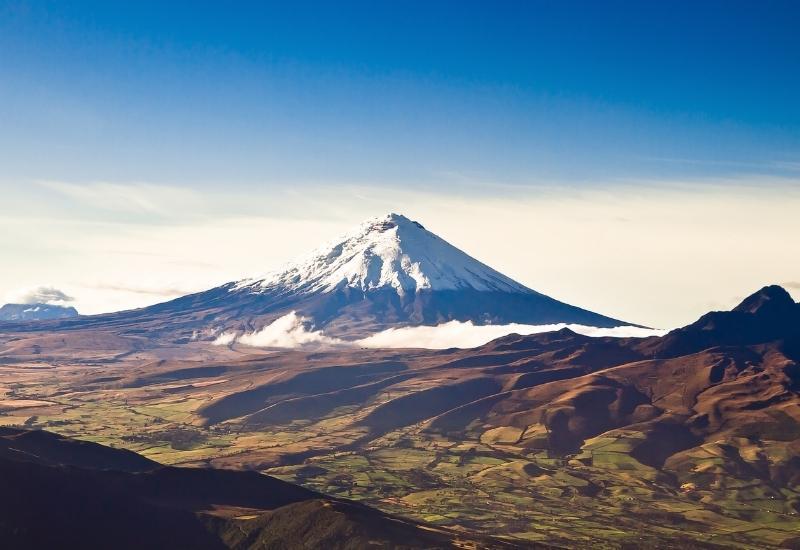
(485, 479)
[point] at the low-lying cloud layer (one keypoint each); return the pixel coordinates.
(39, 295)
(294, 331)
(457, 334)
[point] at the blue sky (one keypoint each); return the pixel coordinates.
(621, 156)
(196, 93)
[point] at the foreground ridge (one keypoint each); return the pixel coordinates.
(93, 496)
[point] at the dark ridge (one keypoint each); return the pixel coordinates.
(768, 315)
(54, 506)
(54, 450)
(770, 300)
(540, 342)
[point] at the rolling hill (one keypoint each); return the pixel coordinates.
(689, 440)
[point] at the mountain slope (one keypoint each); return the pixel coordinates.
(35, 312)
(767, 315)
(690, 440)
(389, 272)
(48, 503)
(694, 432)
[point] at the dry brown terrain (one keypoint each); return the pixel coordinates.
(682, 441)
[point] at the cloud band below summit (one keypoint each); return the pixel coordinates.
(294, 331)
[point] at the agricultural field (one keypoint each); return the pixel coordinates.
(378, 430)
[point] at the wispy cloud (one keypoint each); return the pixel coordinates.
(792, 284)
(39, 295)
(789, 165)
(752, 168)
(152, 291)
(136, 198)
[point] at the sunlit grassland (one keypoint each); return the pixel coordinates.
(484, 480)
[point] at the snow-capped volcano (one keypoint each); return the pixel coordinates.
(390, 272)
(386, 252)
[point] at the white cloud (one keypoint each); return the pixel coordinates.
(289, 331)
(38, 295)
(457, 334)
(224, 339)
(292, 331)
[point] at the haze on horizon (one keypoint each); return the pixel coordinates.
(152, 150)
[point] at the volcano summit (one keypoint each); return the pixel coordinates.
(389, 272)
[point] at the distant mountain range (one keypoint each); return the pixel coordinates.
(389, 272)
(36, 312)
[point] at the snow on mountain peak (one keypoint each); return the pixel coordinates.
(390, 251)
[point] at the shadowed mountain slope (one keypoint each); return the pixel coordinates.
(766, 316)
(48, 501)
